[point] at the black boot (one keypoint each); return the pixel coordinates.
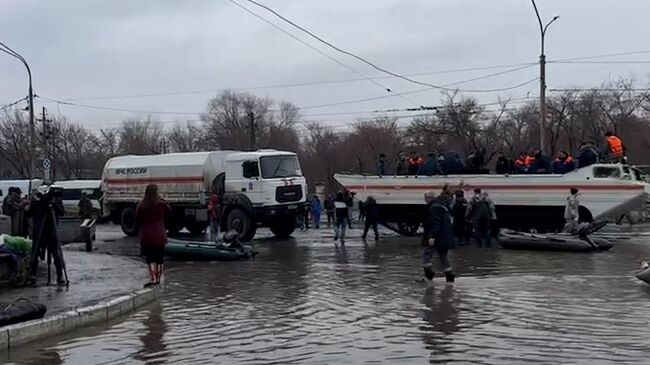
(449, 276)
(428, 273)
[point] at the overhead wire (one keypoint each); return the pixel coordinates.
(115, 109)
(289, 85)
(407, 92)
(580, 58)
(7, 106)
(63, 102)
(599, 89)
(369, 63)
(600, 62)
(316, 49)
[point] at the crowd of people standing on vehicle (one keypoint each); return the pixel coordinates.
(533, 162)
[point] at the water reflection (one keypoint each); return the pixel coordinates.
(153, 346)
(441, 320)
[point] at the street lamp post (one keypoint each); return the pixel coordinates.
(542, 77)
(30, 99)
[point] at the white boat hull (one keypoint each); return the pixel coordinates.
(600, 198)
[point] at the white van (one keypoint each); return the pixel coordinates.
(72, 190)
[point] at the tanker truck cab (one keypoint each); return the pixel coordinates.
(268, 186)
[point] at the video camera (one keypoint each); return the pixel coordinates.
(49, 192)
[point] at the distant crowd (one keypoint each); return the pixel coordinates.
(533, 162)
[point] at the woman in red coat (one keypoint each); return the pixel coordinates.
(150, 216)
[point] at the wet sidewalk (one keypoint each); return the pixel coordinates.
(94, 278)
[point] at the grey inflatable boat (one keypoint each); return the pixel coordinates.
(548, 242)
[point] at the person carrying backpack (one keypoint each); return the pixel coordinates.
(480, 212)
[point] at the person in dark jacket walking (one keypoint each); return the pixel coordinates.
(481, 212)
(85, 207)
(460, 223)
(437, 238)
(329, 209)
(341, 209)
(372, 218)
(446, 196)
(349, 200)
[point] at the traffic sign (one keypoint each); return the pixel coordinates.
(47, 163)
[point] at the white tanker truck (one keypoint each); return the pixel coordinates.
(263, 188)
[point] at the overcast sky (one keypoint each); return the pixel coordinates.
(81, 49)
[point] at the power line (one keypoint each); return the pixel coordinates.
(7, 106)
(407, 92)
(117, 109)
(316, 49)
(603, 56)
(601, 89)
(290, 85)
(600, 62)
(371, 64)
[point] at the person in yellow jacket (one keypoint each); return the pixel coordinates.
(615, 150)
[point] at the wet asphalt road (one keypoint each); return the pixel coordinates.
(308, 301)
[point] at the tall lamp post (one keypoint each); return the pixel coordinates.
(542, 77)
(4, 48)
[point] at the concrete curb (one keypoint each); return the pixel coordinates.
(21, 333)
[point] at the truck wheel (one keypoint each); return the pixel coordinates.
(196, 227)
(128, 223)
(242, 223)
(284, 229)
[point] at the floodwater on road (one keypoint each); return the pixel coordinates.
(308, 301)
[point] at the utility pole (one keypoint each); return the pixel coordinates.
(542, 78)
(252, 143)
(45, 148)
(30, 98)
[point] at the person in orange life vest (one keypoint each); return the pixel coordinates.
(563, 163)
(521, 166)
(530, 160)
(541, 164)
(414, 163)
(615, 148)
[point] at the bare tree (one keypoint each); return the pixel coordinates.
(188, 138)
(14, 146)
(321, 157)
(141, 137)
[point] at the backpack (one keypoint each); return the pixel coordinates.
(459, 210)
(481, 210)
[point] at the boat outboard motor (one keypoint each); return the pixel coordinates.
(589, 228)
(232, 239)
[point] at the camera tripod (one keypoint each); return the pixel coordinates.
(50, 215)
